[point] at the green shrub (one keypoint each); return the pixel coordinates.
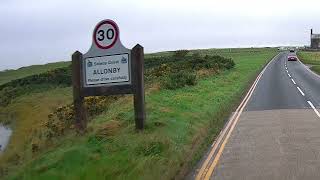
(7, 94)
(223, 62)
(180, 79)
(58, 77)
(206, 62)
(179, 54)
(63, 117)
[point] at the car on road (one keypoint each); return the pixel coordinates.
(291, 50)
(292, 58)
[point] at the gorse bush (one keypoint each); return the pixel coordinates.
(180, 79)
(63, 117)
(177, 74)
(180, 53)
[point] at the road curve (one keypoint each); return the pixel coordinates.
(276, 134)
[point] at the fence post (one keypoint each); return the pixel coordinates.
(78, 99)
(138, 83)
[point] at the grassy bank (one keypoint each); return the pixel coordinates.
(8, 75)
(312, 59)
(180, 124)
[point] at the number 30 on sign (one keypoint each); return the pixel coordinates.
(106, 34)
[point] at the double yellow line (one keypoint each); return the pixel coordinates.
(207, 168)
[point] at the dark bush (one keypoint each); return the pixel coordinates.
(180, 79)
(60, 76)
(7, 94)
(223, 62)
(218, 62)
(179, 54)
(50, 79)
(62, 118)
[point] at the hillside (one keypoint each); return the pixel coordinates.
(8, 75)
(189, 95)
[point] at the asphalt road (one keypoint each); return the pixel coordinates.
(276, 132)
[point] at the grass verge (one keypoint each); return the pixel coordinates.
(312, 59)
(180, 123)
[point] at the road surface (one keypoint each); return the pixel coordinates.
(274, 133)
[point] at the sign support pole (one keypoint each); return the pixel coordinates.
(138, 81)
(78, 99)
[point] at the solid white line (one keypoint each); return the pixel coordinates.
(289, 75)
(314, 109)
(309, 69)
(293, 81)
(300, 91)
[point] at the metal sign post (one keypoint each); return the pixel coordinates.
(108, 68)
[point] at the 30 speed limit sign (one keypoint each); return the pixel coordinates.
(106, 34)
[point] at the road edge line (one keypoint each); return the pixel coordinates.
(317, 75)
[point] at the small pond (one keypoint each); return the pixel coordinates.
(5, 133)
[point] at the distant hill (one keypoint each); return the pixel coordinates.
(9, 75)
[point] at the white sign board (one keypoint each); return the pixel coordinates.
(107, 63)
(107, 69)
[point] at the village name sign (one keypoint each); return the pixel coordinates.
(108, 68)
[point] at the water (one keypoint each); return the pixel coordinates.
(5, 134)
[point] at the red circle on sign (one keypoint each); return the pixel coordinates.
(114, 25)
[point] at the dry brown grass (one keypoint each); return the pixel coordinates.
(109, 128)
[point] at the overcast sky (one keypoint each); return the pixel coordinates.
(42, 31)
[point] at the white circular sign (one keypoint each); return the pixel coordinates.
(106, 34)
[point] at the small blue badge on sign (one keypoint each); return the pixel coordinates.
(89, 64)
(124, 60)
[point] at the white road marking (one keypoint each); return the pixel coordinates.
(314, 109)
(287, 71)
(289, 75)
(293, 81)
(286, 68)
(300, 91)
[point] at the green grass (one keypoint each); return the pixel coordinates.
(316, 69)
(311, 58)
(9, 75)
(180, 124)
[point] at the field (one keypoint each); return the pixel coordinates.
(181, 123)
(311, 58)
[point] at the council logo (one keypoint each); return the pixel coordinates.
(89, 64)
(124, 60)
